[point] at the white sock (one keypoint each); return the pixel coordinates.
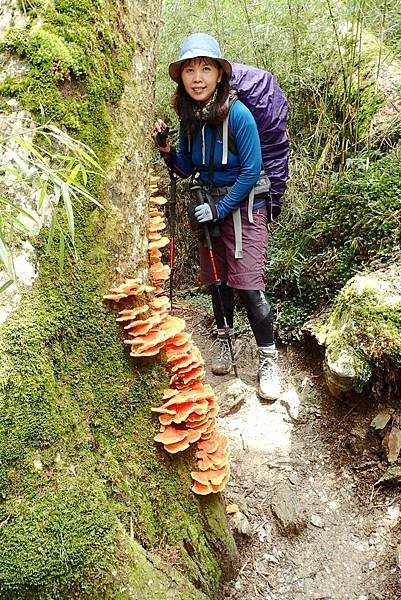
(270, 347)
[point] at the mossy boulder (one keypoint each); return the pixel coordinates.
(361, 333)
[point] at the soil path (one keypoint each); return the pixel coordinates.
(318, 459)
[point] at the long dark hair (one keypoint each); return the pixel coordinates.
(185, 106)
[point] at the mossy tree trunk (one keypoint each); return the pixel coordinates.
(89, 506)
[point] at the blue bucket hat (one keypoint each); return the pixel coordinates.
(195, 46)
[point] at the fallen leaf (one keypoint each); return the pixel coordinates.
(393, 444)
(392, 475)
(381, 420)
(231, 509)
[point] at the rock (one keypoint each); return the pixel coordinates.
(317, 520)
(241, 524)
(230, 396)
(308, 394)
(270, 558)
(293, 478)
(361, 332)
(288, 510)
(342, 369)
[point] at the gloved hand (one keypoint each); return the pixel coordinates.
(206, 212)
(160, 136)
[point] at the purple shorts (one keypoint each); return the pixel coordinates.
(246, 273)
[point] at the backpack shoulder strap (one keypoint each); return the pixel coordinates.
(225, 133)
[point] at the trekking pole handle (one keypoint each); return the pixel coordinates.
(201, 200)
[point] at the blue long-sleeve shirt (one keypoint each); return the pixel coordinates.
(242, 169)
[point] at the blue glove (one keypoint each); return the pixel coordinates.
(205, 213)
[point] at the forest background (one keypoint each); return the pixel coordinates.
(335, 62)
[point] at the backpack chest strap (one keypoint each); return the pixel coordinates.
(224, 158)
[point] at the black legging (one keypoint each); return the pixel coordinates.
(257, 308)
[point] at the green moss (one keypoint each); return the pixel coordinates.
(77, 69)
(373, 322)
(79, 467)
(354, 223)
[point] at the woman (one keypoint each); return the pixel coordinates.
(232, 174)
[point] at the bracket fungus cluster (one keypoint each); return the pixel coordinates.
(189, 409)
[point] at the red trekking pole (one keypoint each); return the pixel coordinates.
(216, 280)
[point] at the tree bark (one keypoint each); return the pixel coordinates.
(89, 506)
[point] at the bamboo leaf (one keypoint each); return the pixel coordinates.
(84, 174)
(51, 232)
(12, 220)
(6, 285)
(73, 175)
(77, 188)
(16, 208)
(5, 256)
(88, 158)
(42, 195)
(68, 210)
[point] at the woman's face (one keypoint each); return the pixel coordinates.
(200, 79)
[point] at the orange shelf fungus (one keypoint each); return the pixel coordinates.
(154, 212)
(214, 476)
(180, 339)
(175, 440)
(154, 236)
(131, 287)
(156, 223)
(158, 200)
(161, 304)
(130, 314)
(201, 490)
(170, 435)
(178, 447)
(164, 241)
(172, 325)
(159, 271)
(189, 408)
(143, 326)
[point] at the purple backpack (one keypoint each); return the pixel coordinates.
(260, 92)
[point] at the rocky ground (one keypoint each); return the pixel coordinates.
(309, 519)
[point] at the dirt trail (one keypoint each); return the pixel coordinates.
(317, 457)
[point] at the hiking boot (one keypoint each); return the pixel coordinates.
(221, 362)
(268, 374)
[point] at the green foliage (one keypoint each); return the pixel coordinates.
(353, 225)
(58, 167)
(373, 323)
